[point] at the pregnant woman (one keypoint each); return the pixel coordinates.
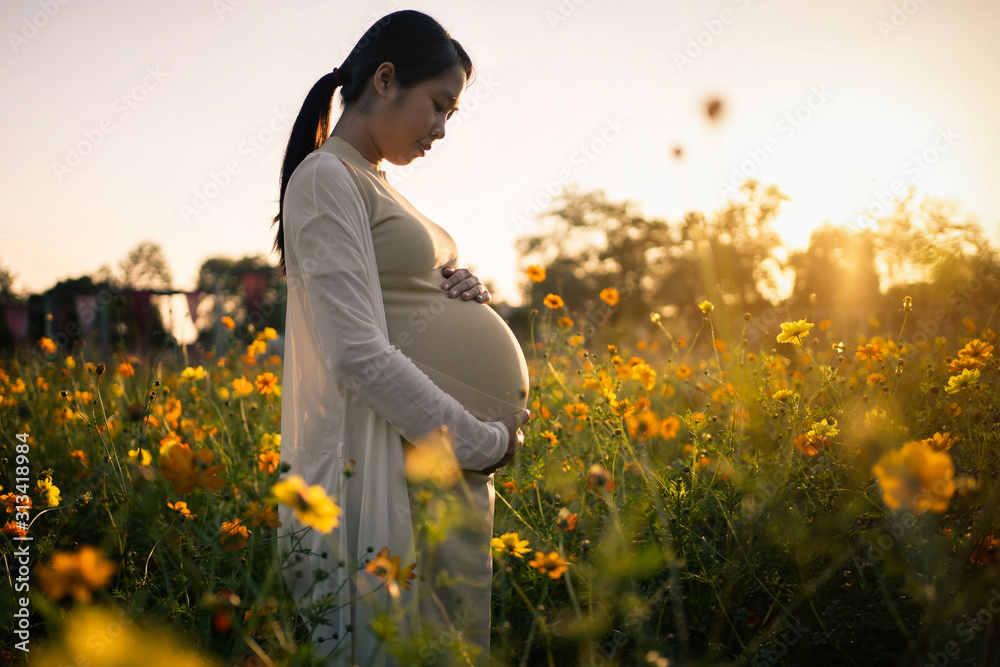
(386, 340)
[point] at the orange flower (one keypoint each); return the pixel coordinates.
(15, 529)
(187, 469)
(941, 441)
(258, 516)
(870, 351)
(387, 568)
(809, 444)
(266, 382)
(228, 322)
(985, 551)
(126, 369)
(669, 427)
(242, 386)
(48, 345)
(566, 520)
(609, 295)
(565, 321)
(268, 462)
(233, 535)
(553, 564)
(976, 349)
(76, 573)
(916, 477)
(684, 372)
(536, 273)
(510, 487)
(960, 364)
(553, 301)
(181, 507)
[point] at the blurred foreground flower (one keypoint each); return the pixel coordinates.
(916, 477)
(432, 459)
(187, 469)
(76, 573)
(100, 637)
(552, 564)
(311, 504)
(793, 332)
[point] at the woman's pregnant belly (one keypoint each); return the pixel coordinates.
(464, 347)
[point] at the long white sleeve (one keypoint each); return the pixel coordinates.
(324, 212)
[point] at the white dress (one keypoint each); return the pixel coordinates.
(341, 375)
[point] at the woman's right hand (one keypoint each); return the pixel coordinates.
(514, 441)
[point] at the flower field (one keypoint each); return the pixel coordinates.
(681, 500)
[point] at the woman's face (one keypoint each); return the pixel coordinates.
(416, 117)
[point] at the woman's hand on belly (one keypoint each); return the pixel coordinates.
(461, 281)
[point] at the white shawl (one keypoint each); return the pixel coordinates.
(348, 394)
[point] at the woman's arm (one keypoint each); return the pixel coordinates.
(324, 219)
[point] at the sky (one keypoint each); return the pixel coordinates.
(136, 121)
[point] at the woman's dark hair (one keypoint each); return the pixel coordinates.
(418, 47)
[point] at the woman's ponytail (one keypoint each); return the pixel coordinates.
(310, 130)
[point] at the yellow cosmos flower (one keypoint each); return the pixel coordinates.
(706, 307)
(957, 383)
(609, 295)
(824, 429)
(536, 273)
(783, 395)
(552, 564)
(133, 456)
(510, 543)
(311, 504)
(70, 363)
(553, 301)
(645, 374)
(191, 374)
(267, 334)
(916, 477)
(794, 332)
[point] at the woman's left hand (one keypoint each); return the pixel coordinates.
(461, 281)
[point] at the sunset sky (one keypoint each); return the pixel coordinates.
(120, 118)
